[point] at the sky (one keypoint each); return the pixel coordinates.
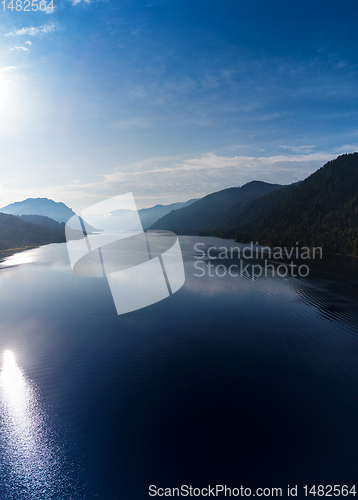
(172, 100)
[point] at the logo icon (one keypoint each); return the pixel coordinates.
(108, 240)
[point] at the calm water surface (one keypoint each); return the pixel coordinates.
(230, 381)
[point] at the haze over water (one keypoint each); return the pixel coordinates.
(229, 381)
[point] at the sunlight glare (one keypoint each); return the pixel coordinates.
(9, 360)
(20, 258)
(14, 386)
(24, 442)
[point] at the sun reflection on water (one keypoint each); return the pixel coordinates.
(19, 258)
(28, 455)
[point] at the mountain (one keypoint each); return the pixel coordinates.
(42, 207)
(207, 215)
(124, 218)
(42, 220)
(62, 213)
(149, 216)
(57, 211)
(16, 232)
(320, 211)
(23, 224)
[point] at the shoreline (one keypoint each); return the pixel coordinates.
(11, 251)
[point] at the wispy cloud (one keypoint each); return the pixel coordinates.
(299, 149)
(76, 2)
(24, 49)
(24, 31)
(28, 43)
(268, 116)
(199, 176)
(133, 122)
(348, 148)
(168, 179)
(46, 28)
(9, 68)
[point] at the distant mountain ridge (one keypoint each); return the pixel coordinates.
(38, 221)
(320, 211)
(149, 216)
(60, 212)
(42, 207)
(34, 222)
(206, 214)
(57, 211)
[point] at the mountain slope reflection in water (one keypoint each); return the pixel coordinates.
(30, 462)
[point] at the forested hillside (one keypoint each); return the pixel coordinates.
(206, 215)
(18, 233)
(320, 211)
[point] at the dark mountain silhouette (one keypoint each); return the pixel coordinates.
(41, 220)
(18, 233)
(320, 211)
(207, 215)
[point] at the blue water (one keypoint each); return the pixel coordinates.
(230, 381)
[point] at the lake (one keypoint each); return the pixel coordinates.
(231, 381)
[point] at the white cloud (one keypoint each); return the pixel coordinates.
(28, 43)
(9, 68)
(46, 28)
(133, 122)
(24, 31)
(24, 49)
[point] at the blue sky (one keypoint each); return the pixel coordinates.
(173, 99)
